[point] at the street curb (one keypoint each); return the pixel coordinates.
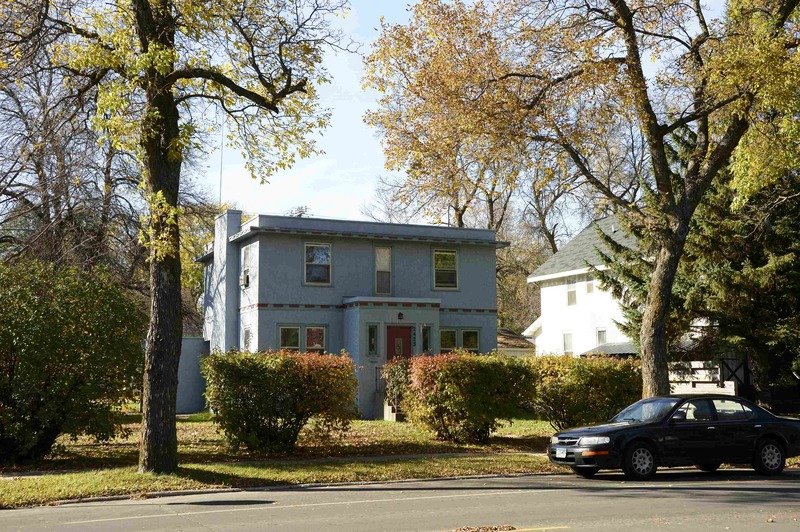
(178, 493)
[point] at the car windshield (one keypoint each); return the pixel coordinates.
(647, 410)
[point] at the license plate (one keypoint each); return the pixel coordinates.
(561, 453)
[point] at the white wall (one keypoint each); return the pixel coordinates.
(591, 311)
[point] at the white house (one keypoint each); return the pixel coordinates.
(579, 318)
(577, 315)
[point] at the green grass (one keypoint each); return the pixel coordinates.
(41, 489)
(199, 441)
(371, 450)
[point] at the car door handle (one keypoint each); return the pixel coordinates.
(712, 428)
(758, 426)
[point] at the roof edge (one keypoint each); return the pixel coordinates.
(569, 273)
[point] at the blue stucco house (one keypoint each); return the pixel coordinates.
(375, 290)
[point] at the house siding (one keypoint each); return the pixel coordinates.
(273, 249)
(591, 311)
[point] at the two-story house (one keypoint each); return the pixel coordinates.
(374, 290)
(577, 315)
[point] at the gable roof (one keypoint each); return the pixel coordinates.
(571, 259)
(509, 339)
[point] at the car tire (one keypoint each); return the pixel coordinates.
(639, 462)
(585, 472)
(769, 458)
(708, 468)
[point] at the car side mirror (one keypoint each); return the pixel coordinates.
(677, 417)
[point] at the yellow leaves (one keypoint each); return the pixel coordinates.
(159, 231)
(767, 152)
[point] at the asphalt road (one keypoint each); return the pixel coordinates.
(677, 500)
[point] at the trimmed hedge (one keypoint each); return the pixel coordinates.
(463, 397)
(263, 400)
(573, 391)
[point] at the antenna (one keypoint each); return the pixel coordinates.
(221, 153)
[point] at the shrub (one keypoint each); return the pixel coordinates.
(397, 375)
(263, 400)
(462, 397)
(573, 391)
(70, 352)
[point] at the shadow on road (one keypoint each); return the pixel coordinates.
(730, 486)
(221, 502)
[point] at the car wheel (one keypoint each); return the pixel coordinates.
(709, 468)
(769, 458)
(585, 472)
(639, 462)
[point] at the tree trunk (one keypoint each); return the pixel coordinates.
(653, 335)
(158, 451)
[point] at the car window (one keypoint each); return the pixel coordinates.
(647, 410)
(732, 410)
(697, 410)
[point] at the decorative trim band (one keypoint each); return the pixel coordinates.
(372, 304)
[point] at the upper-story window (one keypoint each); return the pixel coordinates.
(244, 280)
(318, 264)
(445, 268)
(383, 270)
(590, 286)
(572, 292)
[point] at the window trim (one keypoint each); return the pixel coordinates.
(247, 337)
(590, 286)
(330, 265)
(244, 267)
(564, 343)
(455, 339)
(597, 335)
(571, 282)
(434, 251)
(324, 347)
(299, 338)
(375, 249)
(423, 329)
(373, 352)
(461, 337)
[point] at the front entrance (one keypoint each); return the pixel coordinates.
(398, 341)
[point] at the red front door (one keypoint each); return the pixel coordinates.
(398, 342)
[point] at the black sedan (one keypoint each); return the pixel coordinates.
(700, 430)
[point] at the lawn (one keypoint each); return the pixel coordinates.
(199, 441)
(371, 450)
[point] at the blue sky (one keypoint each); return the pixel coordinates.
(338, 182)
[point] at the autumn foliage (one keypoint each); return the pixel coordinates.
(463, 397)
(570, 391)
(263, 400)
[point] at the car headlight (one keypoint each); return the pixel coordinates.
(594, 440)
(554, 439)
